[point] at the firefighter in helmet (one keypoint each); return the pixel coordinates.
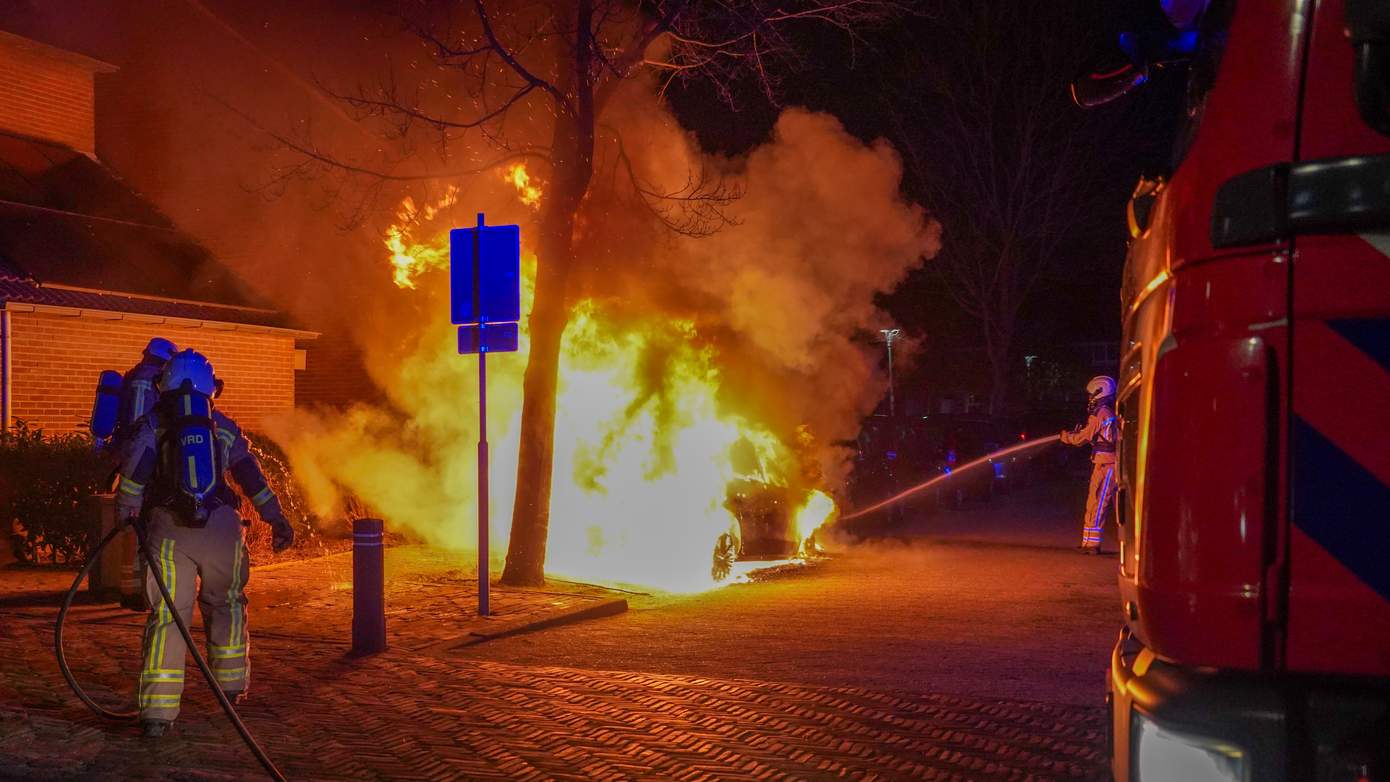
(177, 461)
(139, 395)
(138, 388)
(1100, 433)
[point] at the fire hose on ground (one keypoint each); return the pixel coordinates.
(222, 698)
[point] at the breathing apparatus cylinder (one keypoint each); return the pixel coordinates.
(106, 407)
(186, 390)
(195, 452)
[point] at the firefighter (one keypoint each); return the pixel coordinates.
(193, 538)
(138, 391)
(138, 396)
(1099, 432)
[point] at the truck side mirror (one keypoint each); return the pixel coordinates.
(1108, 84)
(1368, 25)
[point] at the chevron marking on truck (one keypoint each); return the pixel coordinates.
(1341, 475)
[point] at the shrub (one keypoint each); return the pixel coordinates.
(45, 481)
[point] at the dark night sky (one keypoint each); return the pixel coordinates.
(1079, 301)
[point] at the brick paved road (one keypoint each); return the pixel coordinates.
(430, 599)
(408, 716)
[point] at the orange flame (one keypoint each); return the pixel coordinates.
(409, 258)
(646, 458)
(519, 178)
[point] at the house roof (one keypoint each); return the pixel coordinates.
(17, 292)
(82, 61)
(72, 234)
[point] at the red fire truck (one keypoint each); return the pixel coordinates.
(1255, 402)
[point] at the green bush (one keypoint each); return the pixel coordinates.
(45, 481)
(44, 484)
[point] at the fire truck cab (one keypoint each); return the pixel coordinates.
(1254, 506)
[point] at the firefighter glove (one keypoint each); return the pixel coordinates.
(281, 533)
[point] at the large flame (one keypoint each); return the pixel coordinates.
(645, 455)
(705, 389)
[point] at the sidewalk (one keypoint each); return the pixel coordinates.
(431, 601)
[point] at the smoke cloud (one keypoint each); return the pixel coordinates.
(690, 361)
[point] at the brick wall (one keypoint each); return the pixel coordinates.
(46, 97)
(334, 375)
(57, 358)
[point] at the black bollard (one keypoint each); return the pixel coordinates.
(368, 588)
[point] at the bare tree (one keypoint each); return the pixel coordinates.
(561, 61)
(994, 144)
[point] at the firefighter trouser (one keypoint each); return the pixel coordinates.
(1098, 503)
(216, 555)
(132, 569)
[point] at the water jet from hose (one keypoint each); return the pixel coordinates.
(986, 459)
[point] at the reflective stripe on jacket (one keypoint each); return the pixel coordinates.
(140, 461)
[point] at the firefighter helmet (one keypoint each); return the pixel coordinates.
(188, 368)
(1100, 387)
(161, 349)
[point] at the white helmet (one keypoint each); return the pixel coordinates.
(1100, 387)
(188, 368)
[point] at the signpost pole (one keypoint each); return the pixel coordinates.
(485, 303)
(483, 564)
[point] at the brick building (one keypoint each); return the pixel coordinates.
(90, 271)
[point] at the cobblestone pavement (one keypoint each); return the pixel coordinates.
(427, 590)
(404, 715)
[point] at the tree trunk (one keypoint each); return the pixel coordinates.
(531, 510)
(572, 168)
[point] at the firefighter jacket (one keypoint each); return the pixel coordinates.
(144, 478)
(1099, 432)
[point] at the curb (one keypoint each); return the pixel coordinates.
(602, 608)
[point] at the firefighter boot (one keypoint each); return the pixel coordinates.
(154, 729)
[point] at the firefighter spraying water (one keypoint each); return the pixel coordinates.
(1099, 432)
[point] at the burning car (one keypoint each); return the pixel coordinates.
(765, 526)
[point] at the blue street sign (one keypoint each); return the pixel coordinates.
(487, 338)
(485, 287)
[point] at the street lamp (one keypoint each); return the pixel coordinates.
(888, 336)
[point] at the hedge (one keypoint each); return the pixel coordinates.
(44, 484)
(45, 481)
